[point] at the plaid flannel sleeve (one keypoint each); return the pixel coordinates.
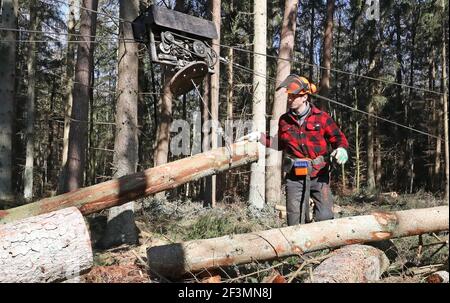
(333, 134)
(273, 142)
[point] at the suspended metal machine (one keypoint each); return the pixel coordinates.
(180, 41)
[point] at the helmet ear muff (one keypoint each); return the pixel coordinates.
(313, 88)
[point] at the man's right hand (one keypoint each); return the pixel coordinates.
(251, 137)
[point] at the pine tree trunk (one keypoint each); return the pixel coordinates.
(372, 71)
(286, 51)
(90, 151)
(51, 247)
(445, 102)
(229, 123)
(7, 95)
(370, 149)
(31, 68)
(162, 142)
(73, 177)
(436, 123)
(206, 139)
(379, 168)
(257, 177)
(121, 227)
(311, 39)
(327, 49)
(398, 108)
(70, 70)
(215, 81)
(176, 259)
(408, 109)
(52, 156)
(358, 162)
(163, 131)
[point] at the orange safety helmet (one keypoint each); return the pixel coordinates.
(297, 85)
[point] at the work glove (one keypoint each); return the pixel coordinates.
(251, 137)
(340, 154)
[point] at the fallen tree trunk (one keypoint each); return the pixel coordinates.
(351, 264)
(174, 260)
(131, 187)
(46, 248)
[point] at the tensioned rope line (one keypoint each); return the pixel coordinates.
(351, 108)
(58, 41)
(332, 69)
(271, 56)
(219, 129)
(296, 61)
(20, 30)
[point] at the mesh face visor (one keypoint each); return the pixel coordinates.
(294, 85)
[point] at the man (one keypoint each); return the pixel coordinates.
(304, 133)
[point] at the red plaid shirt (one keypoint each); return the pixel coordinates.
(310, 140)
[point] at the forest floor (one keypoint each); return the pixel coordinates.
(164, 222)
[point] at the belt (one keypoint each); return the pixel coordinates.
(288, 164)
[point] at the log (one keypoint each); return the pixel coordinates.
(46, 248)
(174, 260)
(351, 264)
(438, 277)
(131, 187)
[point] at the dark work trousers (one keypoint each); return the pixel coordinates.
(297, 200)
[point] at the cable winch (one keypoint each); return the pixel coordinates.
(178, 40)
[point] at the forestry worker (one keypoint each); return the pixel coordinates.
(304, 134)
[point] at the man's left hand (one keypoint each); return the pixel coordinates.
(340, 154)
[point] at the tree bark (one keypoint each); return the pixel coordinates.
(161, 153)
(31, 68)
(373, 68)
(327, 48)
(357, 154)
(445, 102)
(257, 178)
(121, 227)
(7, 93)
(436, 118)
(70, 69)
(174, 260)
(47, 248)
(273, 170)
(206, 145)
(230, 177)
(409, 151)
(214, 93)
(351, 264)
(163, 130)
(312, 27)
(73, 172)
(128, 188)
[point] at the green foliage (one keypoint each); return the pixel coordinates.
(214, 225)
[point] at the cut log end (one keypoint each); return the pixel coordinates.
(351, 264)
(47, 248)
